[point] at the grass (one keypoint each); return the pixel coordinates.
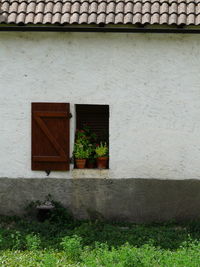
(26, 242)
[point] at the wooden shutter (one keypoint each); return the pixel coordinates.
(50, 136)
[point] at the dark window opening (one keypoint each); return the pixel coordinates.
(96, 118)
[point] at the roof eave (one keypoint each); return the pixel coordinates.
(101, 28)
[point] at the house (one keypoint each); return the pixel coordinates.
(129, 68)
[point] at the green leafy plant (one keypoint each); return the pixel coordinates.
(81, 138)
(16, 240)
(102, 150)
(33, 242)
(87, 134)
(84, 143)
(49, 260)
(80, 152)
(59, 214)
(72, 246)
(91, 149)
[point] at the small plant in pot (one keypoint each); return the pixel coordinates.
(81, 152)
(80, 155)
(91, 161)
(85, 141)
(102, 155)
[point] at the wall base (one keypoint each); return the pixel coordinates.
(135, 200)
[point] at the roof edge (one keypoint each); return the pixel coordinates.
(110, 29)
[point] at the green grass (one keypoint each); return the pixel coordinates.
(26, 242)
(63, 241)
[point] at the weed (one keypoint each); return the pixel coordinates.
(16, 240)
(72, 247)
(58, 214)
(33, 242)
(49, 260)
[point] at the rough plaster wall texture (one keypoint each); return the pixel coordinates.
(151, 83)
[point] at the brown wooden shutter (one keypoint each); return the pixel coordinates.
(50, 136)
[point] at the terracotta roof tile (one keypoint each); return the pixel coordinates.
(178, 12)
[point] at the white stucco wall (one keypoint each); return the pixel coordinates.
(151, 82)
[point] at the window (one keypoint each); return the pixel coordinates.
(50, 132)
(94, 121)
(96, 117)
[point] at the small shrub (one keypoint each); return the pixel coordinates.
(49, 261)
(1, 239)
(33, 242)
(58, 215)
(16, 240)
(72, 247)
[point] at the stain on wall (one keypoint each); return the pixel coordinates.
(135, 200)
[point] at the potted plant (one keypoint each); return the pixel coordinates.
(85, 139)
(80, 155)
(102, 155)
(81, 152)
(91, 161)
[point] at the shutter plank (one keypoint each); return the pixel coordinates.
(48, 159)
(51, 114)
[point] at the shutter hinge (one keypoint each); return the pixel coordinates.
(70, 115)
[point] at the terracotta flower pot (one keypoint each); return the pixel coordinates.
(102, 162)
(80, 163)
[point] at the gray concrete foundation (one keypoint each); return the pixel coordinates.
(135, 200)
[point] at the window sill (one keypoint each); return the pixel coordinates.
(90, 173)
